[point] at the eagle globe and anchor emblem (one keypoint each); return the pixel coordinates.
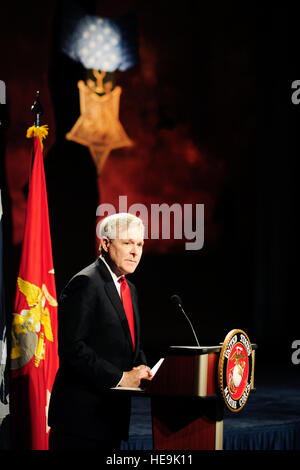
(32, 327)
(235, 370)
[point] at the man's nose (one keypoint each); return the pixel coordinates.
(133, 250)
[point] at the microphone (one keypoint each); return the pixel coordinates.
(177, 301)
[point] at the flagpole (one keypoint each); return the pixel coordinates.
(37, 109)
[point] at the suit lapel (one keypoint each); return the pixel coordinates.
(115, 299)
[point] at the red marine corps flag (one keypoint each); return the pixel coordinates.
(34, 358)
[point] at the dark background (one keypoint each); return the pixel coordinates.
(209, 108)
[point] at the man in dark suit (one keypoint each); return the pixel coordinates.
(99, 344)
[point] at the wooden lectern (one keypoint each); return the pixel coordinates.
(191, 388)
(187, 409)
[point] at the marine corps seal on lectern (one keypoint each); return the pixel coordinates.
(235, 370)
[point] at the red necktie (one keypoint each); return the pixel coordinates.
(127, 304)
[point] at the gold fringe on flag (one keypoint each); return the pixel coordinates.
(40, 132)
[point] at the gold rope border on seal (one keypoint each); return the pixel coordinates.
(227, 340)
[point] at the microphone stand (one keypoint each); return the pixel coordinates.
(178, 301)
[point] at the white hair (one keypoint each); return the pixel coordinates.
(118, 223)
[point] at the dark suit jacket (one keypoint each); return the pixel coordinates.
(95, 348)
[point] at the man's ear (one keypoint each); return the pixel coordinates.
(104, 242)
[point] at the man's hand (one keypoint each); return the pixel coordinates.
(133, 377)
